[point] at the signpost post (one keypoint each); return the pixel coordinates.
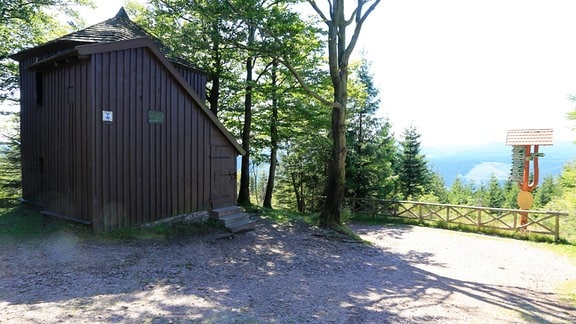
(525, 144)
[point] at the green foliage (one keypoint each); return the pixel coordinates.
(10, 176)
(413, 172)
(566, 202)
(436, 191)
(224, 39)
(546, 191)
(460, 193)
(511, 191)
(371, 146)
(494, 196)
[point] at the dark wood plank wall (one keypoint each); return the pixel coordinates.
(64, 130)
(195, 79)
(145, 171)
(33, 129)
(29, 138)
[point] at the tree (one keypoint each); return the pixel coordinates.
(201, 33)
(274, 136)
(460, 193)
(510, 190)
(340, 49)
(413, 172)
(546, 191)
(244, 192)
(10, 179)
(372, 154)
(494, 196)
(437, 188)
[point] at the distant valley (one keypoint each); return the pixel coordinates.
(476, 164)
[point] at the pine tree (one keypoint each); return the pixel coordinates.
(494, 196)
(413, 172)
(510, 191)
(460, 193)
(548, 189)
(371, 154)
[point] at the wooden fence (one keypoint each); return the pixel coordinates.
(539, 222)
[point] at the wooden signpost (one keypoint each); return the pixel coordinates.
(525, 144)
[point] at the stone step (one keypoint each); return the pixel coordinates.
(244, 226)
(234, 218)
(230, 220)
(223, 211)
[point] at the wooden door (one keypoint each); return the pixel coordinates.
(223, 176)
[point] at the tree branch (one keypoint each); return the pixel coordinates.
(360, 19)
(319, 11)
(306, 87)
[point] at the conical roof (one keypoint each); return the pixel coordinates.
(117, 28)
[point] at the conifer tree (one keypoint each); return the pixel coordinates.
(413, 172)
(494, 196)
(371, 153)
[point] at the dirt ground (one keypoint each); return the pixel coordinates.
(285, 273)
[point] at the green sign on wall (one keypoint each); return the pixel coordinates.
(155, 117)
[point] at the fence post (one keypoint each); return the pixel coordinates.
(557, 229)
(479, 221)
(420, 216)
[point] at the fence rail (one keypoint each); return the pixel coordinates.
(539, 222)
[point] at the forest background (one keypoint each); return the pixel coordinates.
(261, 100)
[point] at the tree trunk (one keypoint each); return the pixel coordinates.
(273, 141)
(214, 94)
(244, 192)
(297, 185)
(335, 184)
(338, 62)
(214, 91)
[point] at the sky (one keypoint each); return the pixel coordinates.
(463, 72)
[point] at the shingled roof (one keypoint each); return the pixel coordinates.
(117, 28)
(530, 136)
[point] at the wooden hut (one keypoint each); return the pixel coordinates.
(115, 132)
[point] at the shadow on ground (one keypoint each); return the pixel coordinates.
(274, 274)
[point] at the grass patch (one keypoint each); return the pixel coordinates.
(567, 292)
(20, 222)
(283, 216)
(164, 231)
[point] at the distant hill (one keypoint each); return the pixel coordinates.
(476, 164)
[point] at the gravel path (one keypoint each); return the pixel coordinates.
(280, 274)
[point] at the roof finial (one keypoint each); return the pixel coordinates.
(121, 13)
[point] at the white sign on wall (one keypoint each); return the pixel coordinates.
(107, 116)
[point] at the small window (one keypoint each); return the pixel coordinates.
(39, 89)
